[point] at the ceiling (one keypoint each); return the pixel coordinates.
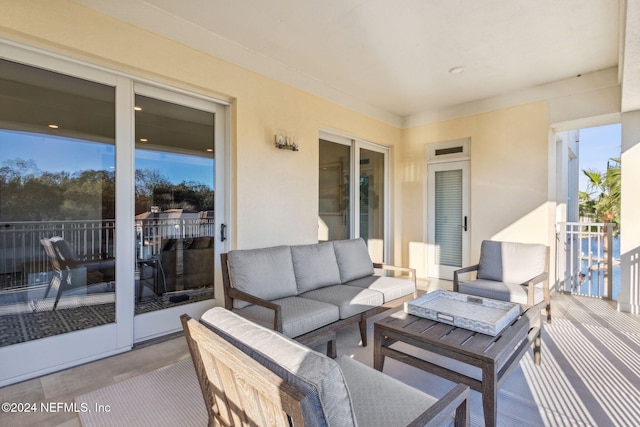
(392, 58)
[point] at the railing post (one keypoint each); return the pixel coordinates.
(608, 261)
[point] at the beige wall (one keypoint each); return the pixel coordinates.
(509, 175)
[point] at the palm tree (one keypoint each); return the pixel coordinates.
(602, 198)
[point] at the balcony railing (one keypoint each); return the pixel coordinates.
(585, 263)
(24, 262)
(22, 259)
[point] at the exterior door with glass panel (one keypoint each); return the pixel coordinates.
(448, 218)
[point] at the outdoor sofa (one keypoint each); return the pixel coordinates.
(251, 375)
(308, 292)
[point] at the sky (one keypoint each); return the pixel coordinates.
(55, 154)
(50, 153)
(597, 146)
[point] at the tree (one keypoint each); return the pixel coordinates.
(602, 198)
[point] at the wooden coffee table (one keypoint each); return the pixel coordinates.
(495, 356)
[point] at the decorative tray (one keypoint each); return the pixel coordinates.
(484, 315)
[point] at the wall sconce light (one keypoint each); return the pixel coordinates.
(286, 143)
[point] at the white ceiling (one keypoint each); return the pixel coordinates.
(391, 57)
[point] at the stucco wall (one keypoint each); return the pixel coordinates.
(509, 175)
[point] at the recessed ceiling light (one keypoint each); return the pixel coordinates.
(143, 140)
(53, 126)
(210, 150)
(137, 108)
(457, 70)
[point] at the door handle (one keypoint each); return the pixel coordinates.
(223, 232)
(464, 224)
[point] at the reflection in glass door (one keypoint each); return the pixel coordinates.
(334, 220)
(57, 204)
(174, 204)
(372, 206)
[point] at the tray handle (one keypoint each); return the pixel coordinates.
(445, 317)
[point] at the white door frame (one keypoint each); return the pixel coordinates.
(441, 157)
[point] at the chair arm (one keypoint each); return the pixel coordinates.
(531, 285)
(243, 296)
(412, 273)
(457, 400)
(462, 271)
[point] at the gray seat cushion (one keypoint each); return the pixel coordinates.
(380, 400)
(391, 287)
(315, 266)
(327, 401)
(500, 291)
(353, 259)
(266, 273)
(299, 315)
(350, 300)
(511, 262)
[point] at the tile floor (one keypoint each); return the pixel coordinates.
(592, 317)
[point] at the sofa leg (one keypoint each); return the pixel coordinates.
(363, 330)
(547, 300)
(331, 349)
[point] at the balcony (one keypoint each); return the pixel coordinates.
(589, 373)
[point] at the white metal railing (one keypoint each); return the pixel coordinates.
(585, 262)
(152, 233)
(23, 261)
(22, 257)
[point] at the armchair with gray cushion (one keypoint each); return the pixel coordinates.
(508, 271)
(251, 375)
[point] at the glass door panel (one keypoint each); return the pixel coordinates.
(174, 204)
(57, 204)
(372, 202)
(334, 221)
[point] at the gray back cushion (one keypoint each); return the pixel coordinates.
(353, 259)
(266, 273)
(511, 262)
(315, 266)
(327, 400)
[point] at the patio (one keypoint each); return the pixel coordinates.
(588, 376)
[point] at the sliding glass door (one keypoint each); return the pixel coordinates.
(111, 203)
(351, 208)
